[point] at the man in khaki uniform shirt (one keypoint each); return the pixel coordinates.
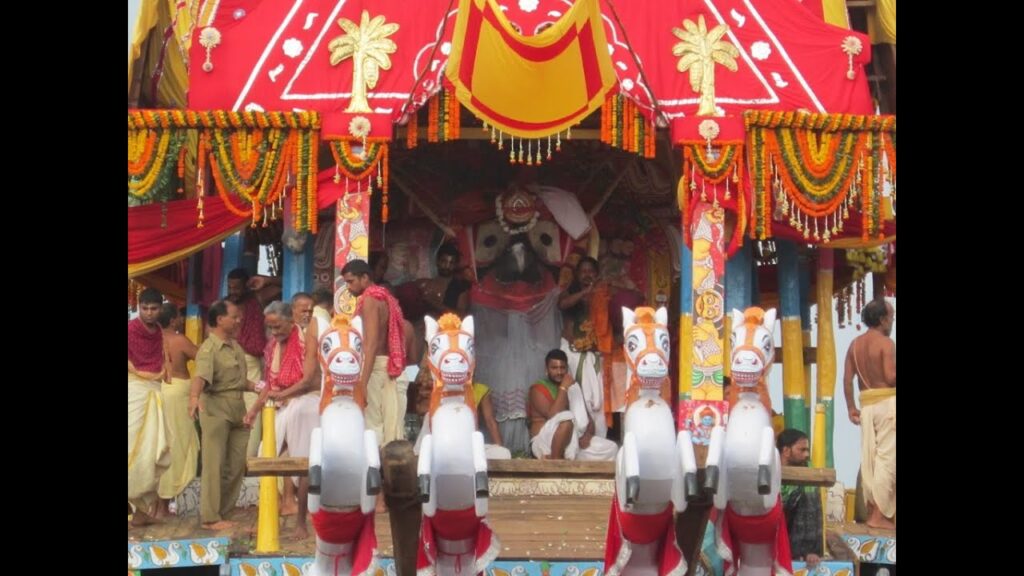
(220, 377)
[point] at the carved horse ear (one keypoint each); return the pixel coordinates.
(357, 325)
(467, 325)
(737, 318)
(661, 316)
(431, 325)
(628, 318)
(769, 320)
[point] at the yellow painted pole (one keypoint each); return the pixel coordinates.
(685, 323)
(818, 453)
(796, 412)
(727, 344)
(194, 332)
(826, 349)
(685, 354)
(805, 340)
(267, 529)
(851, 505)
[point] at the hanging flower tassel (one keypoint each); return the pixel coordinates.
(433, 118)
(412, 132)
(181, 171)
(382, 180)
(201, 151)
(454, 116)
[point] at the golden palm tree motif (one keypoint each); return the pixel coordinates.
(700, 50)
(368, 45)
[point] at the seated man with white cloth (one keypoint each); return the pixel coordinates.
(560, 426)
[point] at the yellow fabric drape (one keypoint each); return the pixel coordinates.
(835, 12)
(147, 20)
(882, 22)
(155, 18)
(530, 86)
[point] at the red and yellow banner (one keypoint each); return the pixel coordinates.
(530, 86)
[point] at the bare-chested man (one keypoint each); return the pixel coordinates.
(383, 352)
(184, 440)
(872, 357)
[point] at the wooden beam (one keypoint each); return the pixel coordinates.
(810, 355)
(276, 466)
(803, 476)
(551, 468)
(796, 475)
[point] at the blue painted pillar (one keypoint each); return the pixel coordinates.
(234, 246)
(739, 279)
(685, 322)
(792, 340)
(806, 299)
(298, 270)
(739, 294)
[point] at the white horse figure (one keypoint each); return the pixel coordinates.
(743, 466)
(344, 461)
(452, 467)
(653, 464)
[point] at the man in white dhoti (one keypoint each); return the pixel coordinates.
(560, 426)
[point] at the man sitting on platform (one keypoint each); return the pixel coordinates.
(560, 427)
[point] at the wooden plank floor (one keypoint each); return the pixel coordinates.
(538, 509)
(547, 527)
(865, 530)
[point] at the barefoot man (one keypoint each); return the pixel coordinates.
(872, 357)
(148, 445)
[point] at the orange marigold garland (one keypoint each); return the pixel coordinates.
(360, 166)
(814, 168)
(154, 156)
(267, 175)
(254, 156)
(412, 132)
(624, 126)
(726, 169)
(433, 115)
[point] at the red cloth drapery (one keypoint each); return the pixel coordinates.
(151, 243)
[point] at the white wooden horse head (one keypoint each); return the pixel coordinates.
(344, 457)
(341, 354)
(743, 466)
(753, 345)
(648, 349)
(451, 353)
(452, 465)
(653, 460)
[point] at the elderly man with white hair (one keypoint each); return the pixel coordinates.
(292, 377)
